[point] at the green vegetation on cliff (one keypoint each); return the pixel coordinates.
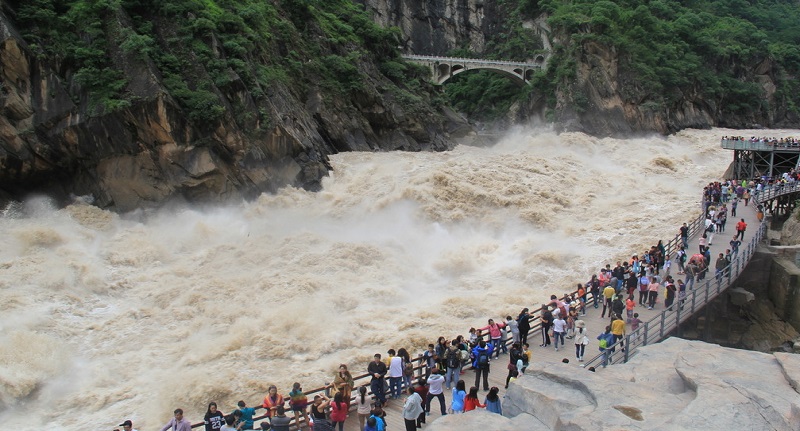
(203, 50)
(667, 51)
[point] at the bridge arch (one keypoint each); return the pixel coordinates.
(444, 68)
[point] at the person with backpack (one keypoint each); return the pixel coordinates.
(482, 352)
(514, 360)
(453, 363)
(680, 256)
(605, 339)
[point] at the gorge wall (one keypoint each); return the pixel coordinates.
(269, 133)
(598, 94)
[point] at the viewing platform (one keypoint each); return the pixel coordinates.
(753, 158)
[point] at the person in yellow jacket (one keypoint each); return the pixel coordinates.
(618, 328)
(608, 296)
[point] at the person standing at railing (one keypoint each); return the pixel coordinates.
(177, 423)
(735, 243)
(298, 401)
(546, 321)
(669, 297)
(395, 375)
(720, 266)
(524, 325)
(272, 401)
(495, 332)
(513, 328)
(377, 370)
(247, 415)
(741, 226)
(746, 196)
(214, 419)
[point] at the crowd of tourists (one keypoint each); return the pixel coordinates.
(778, 142)
(614, 289)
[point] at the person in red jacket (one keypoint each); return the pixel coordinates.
(740, 228)
(471, 401)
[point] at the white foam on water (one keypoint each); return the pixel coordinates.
(108, 317)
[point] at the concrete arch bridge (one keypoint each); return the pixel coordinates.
(444, 68)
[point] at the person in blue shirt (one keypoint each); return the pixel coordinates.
(482, 352)
(492, 401)
(247, 415)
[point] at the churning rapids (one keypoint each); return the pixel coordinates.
(108, 317)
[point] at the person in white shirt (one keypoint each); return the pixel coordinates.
(559, 328)
(395, 374)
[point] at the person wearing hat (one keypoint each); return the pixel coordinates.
(127, 425)
(581, 339)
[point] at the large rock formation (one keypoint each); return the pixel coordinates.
(152, 150)
(673, 385)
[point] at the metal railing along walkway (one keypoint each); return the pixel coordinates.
(660, 326)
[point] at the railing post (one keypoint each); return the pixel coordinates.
(661, 329)
(627, 348)
(646, 333)
(678, 319)
(694, 299)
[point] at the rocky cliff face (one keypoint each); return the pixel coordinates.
(672, 385)
(151, 151)
(602, 99)
(436, 27)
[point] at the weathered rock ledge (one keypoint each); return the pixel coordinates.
(673, 385)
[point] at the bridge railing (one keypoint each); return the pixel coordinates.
(471, 61)
(776, 190)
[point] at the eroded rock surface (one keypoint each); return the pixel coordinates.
(673, 385)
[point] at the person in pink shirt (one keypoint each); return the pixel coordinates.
(495, 334)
